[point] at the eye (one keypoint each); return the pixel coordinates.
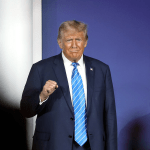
(68, 40)
(78, 39)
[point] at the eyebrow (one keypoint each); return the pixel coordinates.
(72, 38)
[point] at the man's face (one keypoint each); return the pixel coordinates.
(73, 43)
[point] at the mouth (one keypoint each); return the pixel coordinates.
(74, 51)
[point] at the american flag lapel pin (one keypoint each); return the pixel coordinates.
(91, 69)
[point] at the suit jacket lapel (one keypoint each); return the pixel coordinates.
(60, 73)
(90, 81)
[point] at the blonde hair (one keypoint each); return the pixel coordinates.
(78, 26)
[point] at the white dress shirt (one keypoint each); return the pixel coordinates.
(69, 69)
(81, 70)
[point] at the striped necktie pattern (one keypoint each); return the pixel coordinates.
(79, 106)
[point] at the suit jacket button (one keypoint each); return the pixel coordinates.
(70, 136)
(71, 118)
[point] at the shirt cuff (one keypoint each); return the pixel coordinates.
(43, 101)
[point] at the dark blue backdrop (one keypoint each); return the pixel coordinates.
(119, 35)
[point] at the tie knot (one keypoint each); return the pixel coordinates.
(75, 64)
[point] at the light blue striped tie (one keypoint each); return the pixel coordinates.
(79, 107)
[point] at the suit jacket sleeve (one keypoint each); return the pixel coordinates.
(30, 97)
(110, 114)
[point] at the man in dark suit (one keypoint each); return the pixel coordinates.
(56, 88)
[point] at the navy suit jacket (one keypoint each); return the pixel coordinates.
(55, 117)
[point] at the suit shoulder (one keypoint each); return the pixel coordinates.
(45, 62)
(97, 62)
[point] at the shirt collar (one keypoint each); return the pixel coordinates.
(68, 62)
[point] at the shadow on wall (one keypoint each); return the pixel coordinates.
(135, 135)
(12, 128)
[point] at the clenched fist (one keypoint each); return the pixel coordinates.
(49, 87)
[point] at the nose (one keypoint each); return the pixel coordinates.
(74, 45)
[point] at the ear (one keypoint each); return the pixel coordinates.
(60, 43)
(85, 43)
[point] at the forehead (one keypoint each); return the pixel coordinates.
(72, 33)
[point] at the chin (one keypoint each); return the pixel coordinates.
(75, 59)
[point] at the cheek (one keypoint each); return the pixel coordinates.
(81, 45)
(67, 46)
